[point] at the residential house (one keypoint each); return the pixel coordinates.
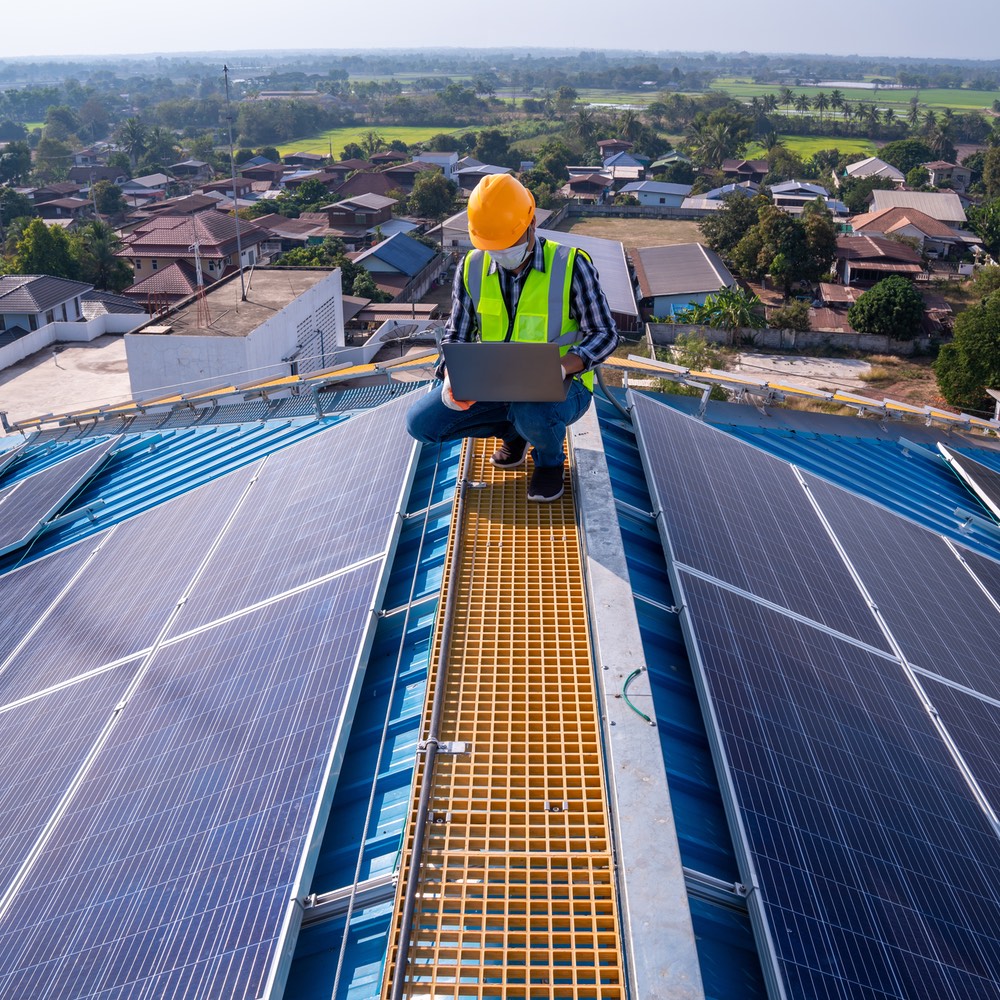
(712, 201)
(331, 180)
(793, 196)
(625, 167)
(404, 175)
(594, 187)
(364, 211)
(942, 172)
(865, 260)
(273, 173)
(388, 158)
(100, 303)
(65, 210)
(402, 266)
(447, 162)
(872, 166)
(672, 278)
(314, 160)
(936, 239)
(657, 193)
(745, 170)
(242, 185)
(159, 242)
(90, 174)
(828, 313)
(190, 204)
(30, 301)
(139, 191)
(254, 161)
(192, 170)
(90, 156)
(60, 189)
(609, 147)
(668, 160)
(367, 182)
(288, 234)
(167, 286)
(945, 206)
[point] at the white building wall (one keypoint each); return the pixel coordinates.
(68, 333)
(160, 363)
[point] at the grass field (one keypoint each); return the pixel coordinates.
(339, 137)
(806, 145)
(958, 100)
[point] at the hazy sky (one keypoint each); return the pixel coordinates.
(914, 28)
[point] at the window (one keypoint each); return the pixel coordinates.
(154, 264)
(65, 314)
(50, 316)
(33, 321)
(663, 201)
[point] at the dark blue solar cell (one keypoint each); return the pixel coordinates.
(33, 500)
(331, 501)
(937, 612)
(132, 584)
(43, 743)
(26, 593)
(872, 857)
(171, 873)
(740, 515)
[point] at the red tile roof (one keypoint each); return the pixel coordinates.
(174, 236)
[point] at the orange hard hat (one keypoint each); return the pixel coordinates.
(500, 210)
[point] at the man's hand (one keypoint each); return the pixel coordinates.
(571, 365)
(448, 397)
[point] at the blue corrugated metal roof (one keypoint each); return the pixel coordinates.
(402, 252)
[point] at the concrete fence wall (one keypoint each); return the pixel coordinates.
(665, 334)
(68, 333)
(634, 212)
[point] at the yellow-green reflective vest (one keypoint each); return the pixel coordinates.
(542, 310)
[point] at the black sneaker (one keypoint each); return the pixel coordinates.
(510, 454)
(546, 484)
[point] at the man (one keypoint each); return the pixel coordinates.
(503, 291)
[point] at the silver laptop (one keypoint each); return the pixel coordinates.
(506, 372)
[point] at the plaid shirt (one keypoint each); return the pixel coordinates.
(587, 305)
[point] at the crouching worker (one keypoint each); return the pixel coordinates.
(502, 292)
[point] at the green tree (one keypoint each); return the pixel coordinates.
(132, 137)
(991, 172)
(724, 229)
(108, 198)
(793, 315)
(917, 178)
(371, 143)
(984, 221)
(44, 249)
(15, 163)
(970, 364)
(492, 146)
(730, 309)
(52, 159)
(14, 205)
(905, 154)
(97, 246)
(892, 308)
(433, 196)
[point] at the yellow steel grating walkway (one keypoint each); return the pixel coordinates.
(516, 894)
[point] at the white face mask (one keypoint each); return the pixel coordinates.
(511, 259)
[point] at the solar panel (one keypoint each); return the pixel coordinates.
(172, 872)
(874, 867)
(936, 611)
(331, 501)
(43, 743)
(32, 501)
(741, 516)
(981, 479)
(133, 582)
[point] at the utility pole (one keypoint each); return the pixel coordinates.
(236, 210)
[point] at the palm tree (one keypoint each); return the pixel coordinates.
(821, 102)
(873, 117)
(100, 261)
(769, 103)
(629, 125)
(712, 143)
(584, 126)
(837, 100)
(801, 103)
(913, 115)
(787, 97)
(847, 110)
(930, 119)
(132, 137)
(889, 117)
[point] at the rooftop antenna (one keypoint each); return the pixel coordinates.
(236, 209)
(204, 316)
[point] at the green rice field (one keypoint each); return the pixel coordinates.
(340, 137)
(806, 145)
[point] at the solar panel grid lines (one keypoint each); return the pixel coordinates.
(869, 853)
(216, 847)
(35, 499)
(135, 579)
(332, 501)
(740, 515)
(936, 611)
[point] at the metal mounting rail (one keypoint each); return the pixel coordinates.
(514, 881)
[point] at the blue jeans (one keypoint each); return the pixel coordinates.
(542, 424)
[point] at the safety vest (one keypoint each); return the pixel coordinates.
(542, 310)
